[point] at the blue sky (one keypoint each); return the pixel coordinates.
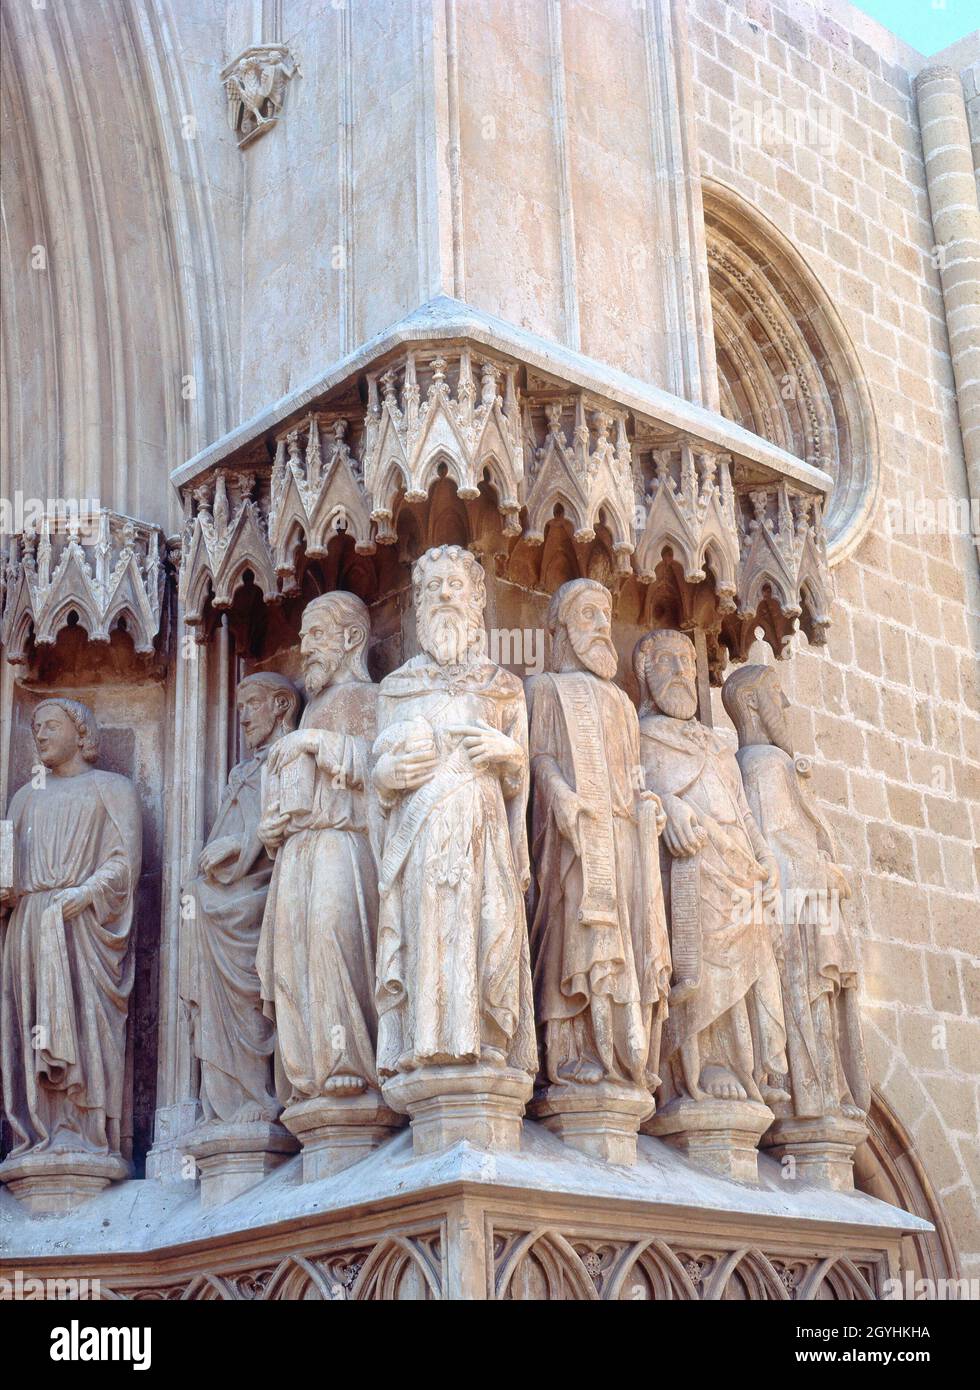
(927, 25)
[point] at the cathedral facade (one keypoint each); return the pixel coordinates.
(489, 610)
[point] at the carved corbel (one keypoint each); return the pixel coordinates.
(255, 85)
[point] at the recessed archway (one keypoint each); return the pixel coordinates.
(786, 366)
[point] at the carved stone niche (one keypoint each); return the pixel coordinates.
(100, 576)
(584, 465)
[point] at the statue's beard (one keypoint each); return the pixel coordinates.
(597, 654)
(258, 735)
(319, 670)
(677, 700)
(777, 732)
(448, 635)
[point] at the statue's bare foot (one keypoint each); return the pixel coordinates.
(406, 1062)
(582, 1072)
(719, 1083)
(493, 1056)
(344, 1084)
(250, 1113)
(775, 1095)
(850, 1111)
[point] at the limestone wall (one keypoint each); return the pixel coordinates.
(890, 709)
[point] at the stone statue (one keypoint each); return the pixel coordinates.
(232, 1038)
(451, 774)
(317, 949)
(68, 964)
(599, 937)
(724, 1041)
(828, 1071)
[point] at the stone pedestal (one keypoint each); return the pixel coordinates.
(822, 1148)
(601, 1120)
(231, 1158)
(336, 1131)
(722, 1135)
(52, 1183)
(483, 1105)
(173, 1125)
(547, 1223)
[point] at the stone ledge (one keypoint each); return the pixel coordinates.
(451, 320)
(146, 1216)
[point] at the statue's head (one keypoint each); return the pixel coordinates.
(757, 707)
(579, 621)
(64, 729)
(268, 706)
(450, 595)
(666, 668)
(334, 635)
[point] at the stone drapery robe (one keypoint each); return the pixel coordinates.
(232, 1036)
(684, 759)
(317, 947)
(65, 985)
(598, 927)
(824, 1043)
(453, 959)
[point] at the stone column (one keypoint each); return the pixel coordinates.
(177, 1104)
(679, 231)
(956, 223)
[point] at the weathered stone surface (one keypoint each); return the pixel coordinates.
(602, 955)
(67, 966)
(725, 1036)
(669, 297)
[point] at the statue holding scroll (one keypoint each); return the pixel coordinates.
(231, 1037)
(828, 1072)
(67, 968)
(725, 1037)
(451, 774)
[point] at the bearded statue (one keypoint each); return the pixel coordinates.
(723, 1054)
(599, 936)
(317, 949)
(451, 776)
